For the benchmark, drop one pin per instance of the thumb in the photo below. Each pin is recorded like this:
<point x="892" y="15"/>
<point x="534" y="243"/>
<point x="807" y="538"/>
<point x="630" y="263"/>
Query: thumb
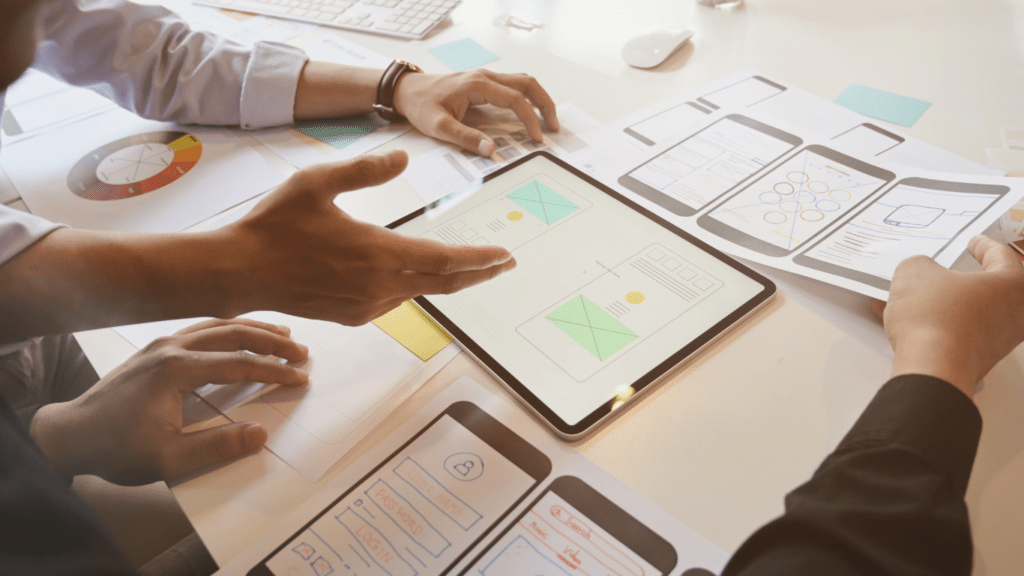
<point x="451" y="130"/>
<point x="194" y="450"/>
<point x="994" y="256"/>
<point x="326" y="181"/>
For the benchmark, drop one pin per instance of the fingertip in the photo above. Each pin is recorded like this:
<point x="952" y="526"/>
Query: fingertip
<point x="300" y="376"/>
<point x="283" y="330"/>
<point x="485" y="147"/>
<point x="254" y="437"/>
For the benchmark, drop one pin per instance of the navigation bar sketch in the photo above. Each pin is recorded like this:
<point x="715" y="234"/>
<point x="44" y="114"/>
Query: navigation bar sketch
<point x="514" y="217"/>
<point x="608" y="316"/>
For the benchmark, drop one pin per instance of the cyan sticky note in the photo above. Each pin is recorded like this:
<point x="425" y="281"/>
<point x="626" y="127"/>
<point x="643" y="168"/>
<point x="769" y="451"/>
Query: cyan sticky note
<point x="883" y="105"/>
<point x="463" y="54"/>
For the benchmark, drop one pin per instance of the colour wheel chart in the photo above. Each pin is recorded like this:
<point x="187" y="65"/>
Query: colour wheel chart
<point x="134" y="165"/>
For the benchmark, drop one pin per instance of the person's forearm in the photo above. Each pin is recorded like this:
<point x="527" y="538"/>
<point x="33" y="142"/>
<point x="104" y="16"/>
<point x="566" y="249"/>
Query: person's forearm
<point x="335" y="91"/>
<point x="888" y="501"/>
<point x="78" y="280"/>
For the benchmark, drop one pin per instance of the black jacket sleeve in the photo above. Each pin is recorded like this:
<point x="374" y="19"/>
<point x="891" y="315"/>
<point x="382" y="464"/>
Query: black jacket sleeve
<point x="888" y="501"/>
<point x="45" y="528"/>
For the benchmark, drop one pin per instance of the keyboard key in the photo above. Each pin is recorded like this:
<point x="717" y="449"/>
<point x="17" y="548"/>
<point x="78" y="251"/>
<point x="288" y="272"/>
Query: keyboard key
<point x="423" y="27"/>
<point x="406" y="29"/>
<point x="244" y="4"/>
<point x="389" y="26"/>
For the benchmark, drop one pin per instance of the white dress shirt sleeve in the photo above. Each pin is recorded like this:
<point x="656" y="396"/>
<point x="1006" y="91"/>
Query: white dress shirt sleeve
<point x="147" y="60"/>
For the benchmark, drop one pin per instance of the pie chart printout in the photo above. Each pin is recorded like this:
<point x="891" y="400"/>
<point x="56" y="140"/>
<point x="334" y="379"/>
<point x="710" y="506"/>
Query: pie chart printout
<point x="135" y="165"/>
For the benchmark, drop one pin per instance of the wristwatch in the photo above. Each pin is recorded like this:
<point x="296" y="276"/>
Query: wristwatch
<point x="385" y="104"/>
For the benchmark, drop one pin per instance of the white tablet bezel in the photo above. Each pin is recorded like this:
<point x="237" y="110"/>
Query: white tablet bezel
<point x="645" y="382"/>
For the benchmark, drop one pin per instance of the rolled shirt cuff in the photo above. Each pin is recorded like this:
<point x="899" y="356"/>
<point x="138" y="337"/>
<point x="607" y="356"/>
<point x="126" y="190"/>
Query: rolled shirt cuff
<point x="271" y="80"/>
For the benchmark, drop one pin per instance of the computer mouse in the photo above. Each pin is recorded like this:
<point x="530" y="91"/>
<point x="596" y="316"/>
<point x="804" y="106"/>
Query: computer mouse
<point x="649" y="50"/>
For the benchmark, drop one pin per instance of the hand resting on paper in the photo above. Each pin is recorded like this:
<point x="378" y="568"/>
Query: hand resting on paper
<point x="127" y="428"/>
<point x="295" y="253"/>
<point x="955" y="325"/>
<point x="434" y="103"/>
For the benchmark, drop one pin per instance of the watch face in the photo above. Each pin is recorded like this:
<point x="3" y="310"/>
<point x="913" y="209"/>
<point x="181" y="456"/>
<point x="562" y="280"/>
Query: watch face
<point x="135" y="165"/>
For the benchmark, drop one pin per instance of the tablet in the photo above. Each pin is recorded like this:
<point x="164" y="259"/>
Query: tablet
<point x="607" y="297"/>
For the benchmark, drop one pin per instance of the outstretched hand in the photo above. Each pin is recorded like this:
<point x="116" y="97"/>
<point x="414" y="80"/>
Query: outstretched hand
<point x="300" y="254"/>
<point x="128" y="427"/>
<point x="955" y="325"/>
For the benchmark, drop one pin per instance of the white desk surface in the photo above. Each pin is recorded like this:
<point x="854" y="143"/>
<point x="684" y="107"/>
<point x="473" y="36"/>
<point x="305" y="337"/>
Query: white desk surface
<point x="720" y="446"/>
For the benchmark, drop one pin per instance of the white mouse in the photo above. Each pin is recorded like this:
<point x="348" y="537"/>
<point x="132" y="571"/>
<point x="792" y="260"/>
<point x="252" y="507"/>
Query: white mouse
<point x="649" y="50"/>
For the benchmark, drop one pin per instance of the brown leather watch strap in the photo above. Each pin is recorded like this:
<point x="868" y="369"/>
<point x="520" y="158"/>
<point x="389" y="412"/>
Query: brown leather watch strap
<point x="385" y="104"/>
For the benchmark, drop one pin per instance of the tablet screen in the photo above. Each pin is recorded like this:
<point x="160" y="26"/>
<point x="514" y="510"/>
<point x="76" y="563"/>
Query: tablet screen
<point x="605" y="297"/>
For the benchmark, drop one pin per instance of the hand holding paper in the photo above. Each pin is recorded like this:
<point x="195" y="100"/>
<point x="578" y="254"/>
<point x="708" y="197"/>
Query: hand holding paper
<point x="955" y="325"/>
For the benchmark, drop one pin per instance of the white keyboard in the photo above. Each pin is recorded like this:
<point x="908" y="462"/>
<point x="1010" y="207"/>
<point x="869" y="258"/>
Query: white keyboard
<point x="410" y="19"/>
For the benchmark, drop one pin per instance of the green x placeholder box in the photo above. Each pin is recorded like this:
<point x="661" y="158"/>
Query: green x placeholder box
<point x="543" y="202"/>
<point x="591" y="327"/>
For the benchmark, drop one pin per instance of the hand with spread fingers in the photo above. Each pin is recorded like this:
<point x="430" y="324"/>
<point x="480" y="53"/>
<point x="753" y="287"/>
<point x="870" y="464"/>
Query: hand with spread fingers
<point x="955" y="325"/>
<point x="436" y="104"/>
<point x="127" y="428"/>
<point x="300" y="254"/>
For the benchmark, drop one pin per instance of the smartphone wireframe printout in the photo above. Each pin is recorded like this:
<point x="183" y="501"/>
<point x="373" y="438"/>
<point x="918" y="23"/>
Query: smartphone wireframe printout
<point x="916" y="216"/>
<point x="606" y="297"/>
<point x="866" y="140"/>
<point x="747" y="92"/>
<point x="572" y="528"/>
<point x="703" y="167"/>
<point x="661" y="126"/>
<point x="421" y="510"/>
<point x="795" y="201"/>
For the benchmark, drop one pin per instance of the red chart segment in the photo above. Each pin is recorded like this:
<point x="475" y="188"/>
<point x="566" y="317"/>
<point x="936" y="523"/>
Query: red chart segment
<point x="134" y="166"/>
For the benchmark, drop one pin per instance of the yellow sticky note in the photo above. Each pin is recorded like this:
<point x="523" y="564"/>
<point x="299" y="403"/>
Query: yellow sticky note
<point x="414" y="329"/>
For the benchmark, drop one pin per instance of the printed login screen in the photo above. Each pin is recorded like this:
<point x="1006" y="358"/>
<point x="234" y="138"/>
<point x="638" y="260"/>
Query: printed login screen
<point x="415" y="515"/>
<point x="601" y="294"/>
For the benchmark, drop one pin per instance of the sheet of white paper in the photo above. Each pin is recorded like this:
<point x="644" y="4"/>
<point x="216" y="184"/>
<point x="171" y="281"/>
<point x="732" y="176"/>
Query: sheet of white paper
<point x="731" y="178"/>
<point x="241" y="27"/>
<point x="1008" y="160"/>
<point x="331" y="140"/>
<point x="116" y="171"/>
<point x="38" y="102"/>
<point x="790" y="105"/>
<point x="1013" y="138"/>
<point x="355" y="376"/>
<point x="449" y="488"/>
<point x="447" y="169"/>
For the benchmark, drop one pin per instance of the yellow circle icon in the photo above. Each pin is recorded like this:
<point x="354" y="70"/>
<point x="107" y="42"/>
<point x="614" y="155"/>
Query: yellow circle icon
<point x="635" y="298"/>
<point x="515" y="216"/>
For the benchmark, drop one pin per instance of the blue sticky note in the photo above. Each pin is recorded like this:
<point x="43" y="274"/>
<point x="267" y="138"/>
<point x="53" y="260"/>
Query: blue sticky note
<point x="463" y="54"/>
<point x="883" y="105"/>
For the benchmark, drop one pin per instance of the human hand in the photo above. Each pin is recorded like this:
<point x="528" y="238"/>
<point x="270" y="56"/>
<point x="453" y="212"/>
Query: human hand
<point x="955" y="325"/>
<point x="437" y="103"/>
<point x="297" y="253"/>
<point x="127" y="427"/>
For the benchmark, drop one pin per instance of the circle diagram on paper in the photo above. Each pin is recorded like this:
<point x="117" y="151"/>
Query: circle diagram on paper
<point x="134" y="166"/>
